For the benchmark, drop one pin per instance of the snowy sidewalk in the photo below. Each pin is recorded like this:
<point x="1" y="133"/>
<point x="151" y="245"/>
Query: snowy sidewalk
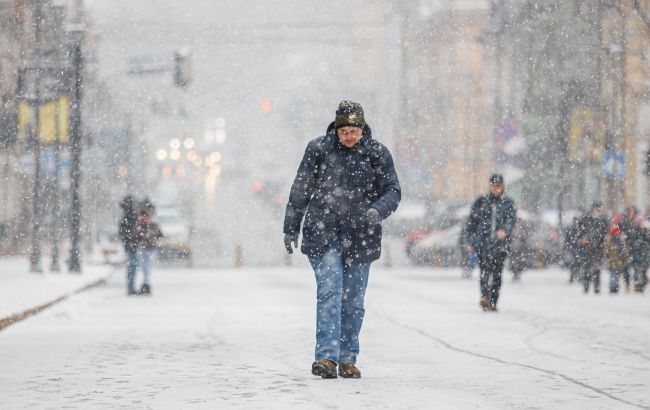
<point x="243" y="338"/>
<point x="22" y="292"/>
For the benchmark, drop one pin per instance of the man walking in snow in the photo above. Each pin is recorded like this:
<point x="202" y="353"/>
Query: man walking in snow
<point x="592" y="230"/>
<point x="489" y="230"/>
<point x="345" y="186"/>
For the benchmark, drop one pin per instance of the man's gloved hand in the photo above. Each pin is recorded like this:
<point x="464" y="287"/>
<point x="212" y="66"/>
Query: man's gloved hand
<point x="288" y="239"/>
<point x="372" y="216"/>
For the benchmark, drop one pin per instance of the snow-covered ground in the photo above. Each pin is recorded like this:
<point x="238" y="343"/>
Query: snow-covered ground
<point x="244" y="339"/>
<point x="21" y="290"/>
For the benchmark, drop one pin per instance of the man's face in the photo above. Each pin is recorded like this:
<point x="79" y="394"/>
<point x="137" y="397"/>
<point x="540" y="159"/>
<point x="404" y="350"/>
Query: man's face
<point x="497" y="189"/>
<point x="349" y="136"/>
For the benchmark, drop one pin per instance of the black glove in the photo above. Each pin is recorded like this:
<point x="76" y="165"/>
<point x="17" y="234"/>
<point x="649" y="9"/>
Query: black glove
<point x="372" y="216"/>
<point x="288" y="238"/>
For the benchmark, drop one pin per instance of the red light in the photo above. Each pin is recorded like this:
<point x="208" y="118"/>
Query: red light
<point x="257" y="186"/>
<point x="265" y="106"/>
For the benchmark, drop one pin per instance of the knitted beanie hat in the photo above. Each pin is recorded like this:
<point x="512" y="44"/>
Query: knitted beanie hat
<point x="349" y="114"/>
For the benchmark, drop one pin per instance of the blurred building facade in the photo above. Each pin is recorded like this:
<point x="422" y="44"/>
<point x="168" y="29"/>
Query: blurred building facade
<point x="572" y="78"/>
<point x="36" y="73"/>
<point x="552" y="94"/>
<point x="446" y="152"/>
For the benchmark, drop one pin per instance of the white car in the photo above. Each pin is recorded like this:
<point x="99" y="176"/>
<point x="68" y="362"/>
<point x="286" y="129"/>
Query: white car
<point x="176" y="229"/>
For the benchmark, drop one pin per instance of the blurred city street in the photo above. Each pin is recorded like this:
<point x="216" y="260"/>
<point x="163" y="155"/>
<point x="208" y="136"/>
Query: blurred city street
<point x="161" y="159"/>
<point x="244" y="338"/>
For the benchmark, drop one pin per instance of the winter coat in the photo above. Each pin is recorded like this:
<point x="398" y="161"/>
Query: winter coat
<point x="147" y="233"/>
<point x="592" y="228"/>
<point x="333" y="189"/>
<point x="127" y="230"/>
<point x="488" y="215"/>
<point x="638" y="242"/>
<point x="571" y="240"/>
<point x="519" y="248"/>
<point x="616" y="253"/>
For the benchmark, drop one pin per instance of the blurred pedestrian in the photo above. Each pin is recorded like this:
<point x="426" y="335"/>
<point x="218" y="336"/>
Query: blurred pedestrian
<point x="346" y="185"/>
<point x="592" y="230"/>
<point x="127" y="232"/>
<point x="468" y="260"/>
<point x="572" y="250"/>
<point x="490" y="225"/>
<point x="616" y="256"/>
<point x="519" y="250"/>
<point x="637" y="238"/>
<point x="148" y="234"/>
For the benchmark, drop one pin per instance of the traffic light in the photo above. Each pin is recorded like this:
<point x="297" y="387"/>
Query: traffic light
<point x="182" y="67"/>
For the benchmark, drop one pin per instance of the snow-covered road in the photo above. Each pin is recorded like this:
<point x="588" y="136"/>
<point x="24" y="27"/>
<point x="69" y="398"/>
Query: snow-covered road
<point x="244" y="339"/>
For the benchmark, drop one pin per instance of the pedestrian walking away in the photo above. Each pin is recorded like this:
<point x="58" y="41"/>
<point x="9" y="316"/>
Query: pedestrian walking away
<point x="519" y="250"/>
<point x="345" y="186"/>
<point x="572" y="251"/>
<point x="592" y="229"/>
<point x="489" y="227"/>
<point x="127" y="232"/>
<point x="637" y="238"/>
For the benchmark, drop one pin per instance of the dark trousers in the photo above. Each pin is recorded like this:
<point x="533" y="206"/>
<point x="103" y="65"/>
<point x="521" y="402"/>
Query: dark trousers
<point x="591" y="273"/>
<point x="491" y="270"/>
<point x="574" y="267"/>
<point x="640" y="275"/>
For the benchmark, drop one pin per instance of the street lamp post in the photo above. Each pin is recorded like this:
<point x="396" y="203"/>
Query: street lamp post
<point x="76" y="32"/>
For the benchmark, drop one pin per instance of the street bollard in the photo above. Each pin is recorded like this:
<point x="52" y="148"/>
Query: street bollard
<point x="238" y="256"/>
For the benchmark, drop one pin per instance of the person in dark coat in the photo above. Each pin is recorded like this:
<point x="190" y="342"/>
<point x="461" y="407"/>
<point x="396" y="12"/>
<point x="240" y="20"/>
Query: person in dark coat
<point x="345" y="186"/>
<point x="490" y="225"/>
<point x="127" y="233"/>
<point x="519" y="250"/>
<point x="638" y="244"/>
<point x="468" y="260"/>
<point x="592" y="230"/>
<point x="572" y="250"/>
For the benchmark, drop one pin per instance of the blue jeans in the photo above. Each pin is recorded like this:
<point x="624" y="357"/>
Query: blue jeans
<point x="339" y="310"/>
<point x="613" y="280"/>
<point x="146" y="256"/>
<point x="131" y="267"/>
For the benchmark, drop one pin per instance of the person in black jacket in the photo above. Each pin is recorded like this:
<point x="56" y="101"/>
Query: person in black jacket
<point x="489" y="228"/>
<point x="128" y="235"/>
<point x="592" y="230"/>
<point x="571" y="250"/>
<point x="638" y="243"/>
<point x="345" y="186"/>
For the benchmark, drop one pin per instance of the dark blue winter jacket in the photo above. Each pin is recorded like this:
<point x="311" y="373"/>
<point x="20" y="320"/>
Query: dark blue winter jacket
<point x="488" y="215"/>
<point x="335" y="186"/>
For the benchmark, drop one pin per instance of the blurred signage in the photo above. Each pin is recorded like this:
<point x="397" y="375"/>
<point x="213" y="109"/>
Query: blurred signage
<point x="586" y="135"/>
<point x="53" y="120"/>
<point x="506" y="130"/>
<point x="614" y="164"/>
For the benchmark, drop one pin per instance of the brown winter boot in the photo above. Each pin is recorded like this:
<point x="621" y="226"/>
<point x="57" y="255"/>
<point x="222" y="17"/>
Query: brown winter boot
<point x="485" y="304"/>
<point x="324" y="368"/>
<point x="349" y="371"/>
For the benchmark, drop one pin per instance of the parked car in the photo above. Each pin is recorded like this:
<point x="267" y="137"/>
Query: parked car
<point x="175" y="244"/>
<point x="438" y="247"/>
<point x="437" y="242"/>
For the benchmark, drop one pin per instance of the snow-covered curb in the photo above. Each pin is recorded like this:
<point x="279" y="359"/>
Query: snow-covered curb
<point x="24" y="294"/>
